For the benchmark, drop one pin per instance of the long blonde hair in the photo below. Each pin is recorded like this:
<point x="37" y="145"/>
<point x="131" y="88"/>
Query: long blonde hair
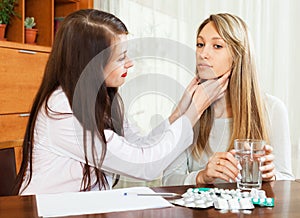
<point x="248" y="110"/>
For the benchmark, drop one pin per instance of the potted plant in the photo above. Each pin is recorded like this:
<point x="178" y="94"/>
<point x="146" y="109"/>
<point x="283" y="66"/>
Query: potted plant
<point x="30" y="33"/>
<point x="6" y="11"/>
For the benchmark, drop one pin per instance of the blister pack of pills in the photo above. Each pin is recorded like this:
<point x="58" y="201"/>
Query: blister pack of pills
<point x="196" y="198"/>
<point x="223" y="199"/>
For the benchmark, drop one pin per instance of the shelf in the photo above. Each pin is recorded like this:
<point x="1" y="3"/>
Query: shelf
<point x="14" y="31"/>
<point x="7" y="44"/>
<point x="44" y="13"/>
<point x="43" y="18"/>
<point x="66" y="1"/>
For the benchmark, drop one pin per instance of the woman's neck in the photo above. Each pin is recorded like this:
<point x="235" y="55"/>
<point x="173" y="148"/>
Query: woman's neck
<point x="222" y="107"/>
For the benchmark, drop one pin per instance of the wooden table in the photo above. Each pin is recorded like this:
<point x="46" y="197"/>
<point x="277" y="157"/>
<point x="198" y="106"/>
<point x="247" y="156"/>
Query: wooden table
<point x="286" y="194"/>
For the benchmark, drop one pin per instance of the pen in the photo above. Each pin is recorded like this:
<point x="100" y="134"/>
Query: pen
<point x="153" y="194"/>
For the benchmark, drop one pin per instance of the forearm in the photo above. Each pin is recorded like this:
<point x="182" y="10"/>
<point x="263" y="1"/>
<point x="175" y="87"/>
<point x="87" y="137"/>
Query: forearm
<point x="149" y="162"/>
<point x="174" y="116"/>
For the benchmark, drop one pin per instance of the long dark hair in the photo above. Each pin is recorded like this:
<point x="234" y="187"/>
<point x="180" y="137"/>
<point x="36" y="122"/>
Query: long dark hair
<point x="81" y="37"/>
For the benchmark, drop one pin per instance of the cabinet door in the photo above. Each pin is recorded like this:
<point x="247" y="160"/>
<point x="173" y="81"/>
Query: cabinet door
<point x="12" y="127"/>
<point x="21" y="72"/>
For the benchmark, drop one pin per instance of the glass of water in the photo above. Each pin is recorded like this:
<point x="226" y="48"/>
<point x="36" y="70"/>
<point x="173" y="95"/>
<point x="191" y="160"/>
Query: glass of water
<point x="248" y="153"/>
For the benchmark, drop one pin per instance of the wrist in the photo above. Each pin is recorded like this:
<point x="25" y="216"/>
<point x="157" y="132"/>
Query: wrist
<point x="193" y="115"/>
<point x="174" y="116"/>
<point x="199" y="178"/>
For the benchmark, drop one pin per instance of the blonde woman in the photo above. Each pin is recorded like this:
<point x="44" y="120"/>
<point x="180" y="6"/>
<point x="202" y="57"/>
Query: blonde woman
<point x="223" y="46"/>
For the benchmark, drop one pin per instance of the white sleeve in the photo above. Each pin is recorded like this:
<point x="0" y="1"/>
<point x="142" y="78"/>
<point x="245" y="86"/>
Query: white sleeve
<point x="133" y="135"/>
<point x="280" y="138"/>
<point x="122" y="157"/>
<point x="147" y="161"/>
<point x="177" y="172"/>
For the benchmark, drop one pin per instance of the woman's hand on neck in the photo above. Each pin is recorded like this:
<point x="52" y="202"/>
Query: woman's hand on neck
<point x="222" y="107"/>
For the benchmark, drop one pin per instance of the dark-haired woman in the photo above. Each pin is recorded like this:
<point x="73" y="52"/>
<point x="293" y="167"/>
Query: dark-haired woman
<point x="76" y="138"/>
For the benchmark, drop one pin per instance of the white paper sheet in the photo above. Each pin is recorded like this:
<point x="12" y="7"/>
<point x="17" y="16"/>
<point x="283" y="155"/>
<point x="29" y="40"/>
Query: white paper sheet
<point x="66" y="204"/>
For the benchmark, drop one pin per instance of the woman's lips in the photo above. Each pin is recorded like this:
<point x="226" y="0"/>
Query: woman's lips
<point x="204" y="65"/>
<point x="124" y="75"/>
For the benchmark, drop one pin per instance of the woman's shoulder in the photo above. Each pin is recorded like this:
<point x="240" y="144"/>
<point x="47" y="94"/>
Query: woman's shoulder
<point x="58" y="101"/>
<point x="274" y="103"/>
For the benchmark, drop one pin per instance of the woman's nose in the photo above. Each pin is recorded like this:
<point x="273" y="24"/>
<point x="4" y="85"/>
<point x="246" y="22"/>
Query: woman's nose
<point x="203" y="53"/>
<point x="129" y="63"/>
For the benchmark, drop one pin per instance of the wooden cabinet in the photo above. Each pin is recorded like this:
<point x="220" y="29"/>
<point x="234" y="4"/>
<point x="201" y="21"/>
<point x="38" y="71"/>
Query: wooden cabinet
<point x="21" y="71"/>
<point x="22" y="65"/>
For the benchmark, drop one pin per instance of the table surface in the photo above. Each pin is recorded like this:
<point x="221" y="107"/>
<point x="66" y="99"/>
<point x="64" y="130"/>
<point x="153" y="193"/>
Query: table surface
<point x="285" y="193"/>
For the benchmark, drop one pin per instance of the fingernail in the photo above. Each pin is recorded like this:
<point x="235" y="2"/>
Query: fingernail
<point x="262" y="159"/>
<point x="261" y="168"/>
<point x="239" y="166"/>
<point x="237" y="179"/>
<point x="263" y="175"/>
<point x="230" y="180"/>
<point x="239" y="176"/>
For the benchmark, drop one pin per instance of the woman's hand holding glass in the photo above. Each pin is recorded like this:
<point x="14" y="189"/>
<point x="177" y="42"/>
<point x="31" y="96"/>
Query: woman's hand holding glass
<point x="222" y="165"/>
<point x="268" y="168"/>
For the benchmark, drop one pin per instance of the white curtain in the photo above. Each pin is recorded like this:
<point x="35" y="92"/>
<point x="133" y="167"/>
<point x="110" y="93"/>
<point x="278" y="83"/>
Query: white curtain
<point x="275" y="32"/>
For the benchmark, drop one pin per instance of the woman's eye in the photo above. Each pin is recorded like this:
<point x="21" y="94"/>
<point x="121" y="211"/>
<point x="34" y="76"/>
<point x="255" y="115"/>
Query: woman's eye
<point x="218" y="46"/>
<point x="122" y="58"/>
<point x="200" y="45"/>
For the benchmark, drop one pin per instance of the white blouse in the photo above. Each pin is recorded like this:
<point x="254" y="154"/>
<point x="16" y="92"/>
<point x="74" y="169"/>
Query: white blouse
<point x="185" y="168"/>
<point x="58" y="154"/>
